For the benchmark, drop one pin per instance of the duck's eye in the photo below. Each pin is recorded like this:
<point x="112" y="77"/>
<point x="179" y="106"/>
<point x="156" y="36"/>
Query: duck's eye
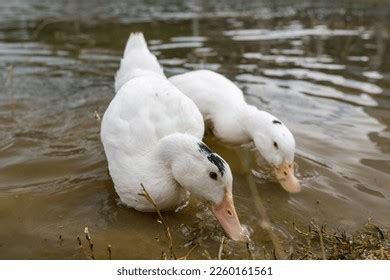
<point x="276" y="145"/>
<point x="213" y="175"/>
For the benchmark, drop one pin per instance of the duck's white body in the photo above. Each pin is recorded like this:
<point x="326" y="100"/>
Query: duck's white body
<point x="233" y="121"/>
<point x="146" y="109"/>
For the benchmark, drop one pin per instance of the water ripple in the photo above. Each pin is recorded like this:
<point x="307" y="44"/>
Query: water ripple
<point x="290" y="33"/>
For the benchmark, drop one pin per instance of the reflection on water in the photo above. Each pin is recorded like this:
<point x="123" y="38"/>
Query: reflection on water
<point x="322" y="68"/>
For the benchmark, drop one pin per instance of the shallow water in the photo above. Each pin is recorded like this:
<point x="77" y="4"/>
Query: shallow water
<point x="321" y="68"/>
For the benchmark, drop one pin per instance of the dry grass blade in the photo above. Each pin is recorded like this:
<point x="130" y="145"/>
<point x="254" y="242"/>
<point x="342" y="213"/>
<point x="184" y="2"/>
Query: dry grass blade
<point x="81" y="247"/>
<point x="189" y="252"/>
<point x="320" y="232"/>
<point x="90" y="243"/>
<point x="301" y="231"/>
<point x="161" y="218"/>
<point x="367" y="244"/>
<point x="163" y="256"/>
<point x="250" y="255"/>
<point x="220" y="251"/>
<point x="109" y="252"/>
<point x="97" y="117"/>
<point x="265" y="253"/>
<point x="206" y="254"/>
<point x="79" y="242"/>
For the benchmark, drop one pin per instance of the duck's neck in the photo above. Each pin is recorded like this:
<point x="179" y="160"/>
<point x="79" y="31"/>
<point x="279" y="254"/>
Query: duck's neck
<point x="229" y="124"/>
<point x="174" y="146"/>
<point x="161" y="172"/>
<point x="255" y="123"/>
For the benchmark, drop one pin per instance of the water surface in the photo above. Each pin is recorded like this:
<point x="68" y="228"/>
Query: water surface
<point x="322" y="68"/>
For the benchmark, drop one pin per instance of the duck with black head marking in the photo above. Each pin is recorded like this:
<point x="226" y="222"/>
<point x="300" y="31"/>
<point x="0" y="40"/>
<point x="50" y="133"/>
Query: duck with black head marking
<point x="151" y="133"/>
<point x="213" y="158"/>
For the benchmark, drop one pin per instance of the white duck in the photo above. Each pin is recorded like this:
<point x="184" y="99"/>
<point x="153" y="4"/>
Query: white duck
<point x="232" y="120"/>
<point x="151" y="134"/>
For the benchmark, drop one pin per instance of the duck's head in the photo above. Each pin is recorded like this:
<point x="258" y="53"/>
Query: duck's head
<point x="276" y="144"/>
<point x="206" y="175"/>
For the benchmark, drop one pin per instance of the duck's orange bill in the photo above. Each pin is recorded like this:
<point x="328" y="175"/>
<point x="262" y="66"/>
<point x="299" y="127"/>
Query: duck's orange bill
<point x="285" y="175"/>
<point x="227" y="216"/>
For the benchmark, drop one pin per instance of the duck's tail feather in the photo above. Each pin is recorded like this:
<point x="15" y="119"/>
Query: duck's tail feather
<point x="136" y="57"/>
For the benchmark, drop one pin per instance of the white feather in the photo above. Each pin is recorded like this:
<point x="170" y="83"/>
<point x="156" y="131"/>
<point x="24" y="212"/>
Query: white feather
<point x="136" y="59"/>
<point x="151" y="134"/>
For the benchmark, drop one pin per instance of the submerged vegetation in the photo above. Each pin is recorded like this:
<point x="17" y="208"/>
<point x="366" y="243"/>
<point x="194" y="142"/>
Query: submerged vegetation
<point x="319" y="243"/>
<point x="314" y="243"/>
